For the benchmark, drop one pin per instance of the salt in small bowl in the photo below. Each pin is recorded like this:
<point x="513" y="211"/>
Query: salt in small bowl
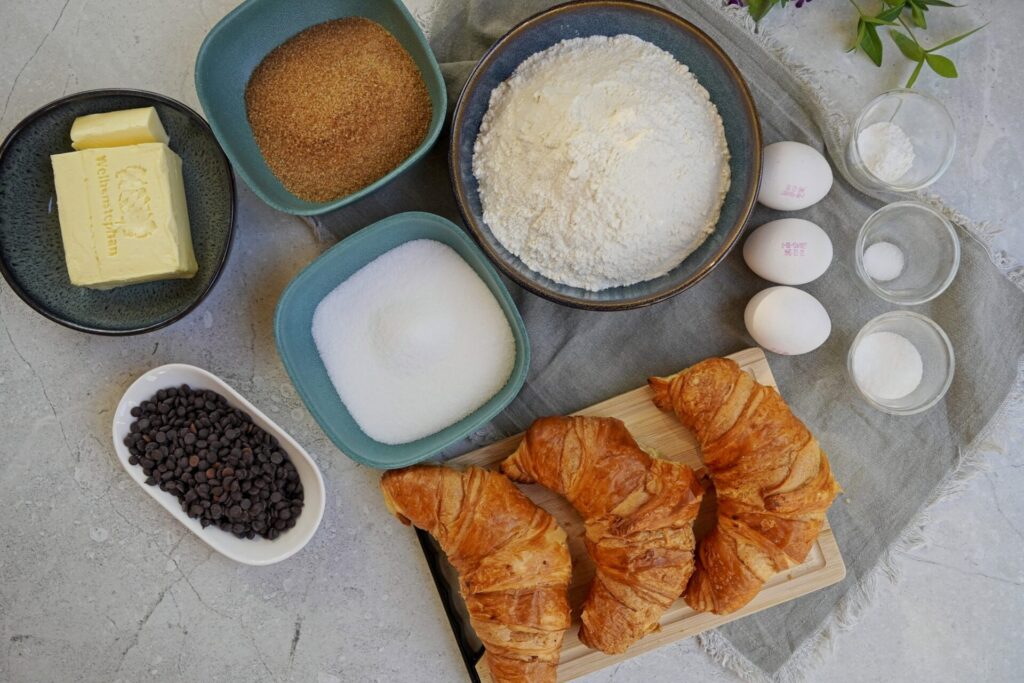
<point x="930" y="249"/>
<point x="937" y="358"/>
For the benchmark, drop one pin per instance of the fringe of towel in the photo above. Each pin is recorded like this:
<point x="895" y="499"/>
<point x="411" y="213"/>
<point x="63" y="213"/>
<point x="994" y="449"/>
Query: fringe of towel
<point x="971" y="461"/>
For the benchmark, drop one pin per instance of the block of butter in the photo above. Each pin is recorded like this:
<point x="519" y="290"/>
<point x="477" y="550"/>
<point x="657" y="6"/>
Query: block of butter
<point x="123" y="216"/>
<point x="118" y="128"/>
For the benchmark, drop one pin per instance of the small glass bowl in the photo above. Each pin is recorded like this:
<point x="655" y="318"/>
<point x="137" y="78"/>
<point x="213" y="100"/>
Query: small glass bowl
<point x="928" y="125"/>
<point x="936" y="358"/>
<point x="930" y="246"/>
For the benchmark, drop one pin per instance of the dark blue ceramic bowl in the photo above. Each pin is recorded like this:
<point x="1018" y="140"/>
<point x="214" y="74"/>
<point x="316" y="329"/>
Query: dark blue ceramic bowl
<point x="31" y="251"/>
<point x="686" y="43"/>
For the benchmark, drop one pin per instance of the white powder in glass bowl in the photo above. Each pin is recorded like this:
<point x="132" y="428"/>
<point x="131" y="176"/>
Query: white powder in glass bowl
<point x="887" y="366"/>
<point x="601" y="162"/>
<point x="887" y="150"/>
<point x="883" y="261"/>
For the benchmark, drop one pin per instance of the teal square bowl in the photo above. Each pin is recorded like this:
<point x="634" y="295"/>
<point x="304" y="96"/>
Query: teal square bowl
<point x="240" y="41"/>
<point x="293" y="328"/>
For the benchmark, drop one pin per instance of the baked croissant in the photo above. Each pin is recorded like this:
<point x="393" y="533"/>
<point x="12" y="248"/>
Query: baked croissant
<point x="771" y="477"/>
<point x="512" y="558"/>
<point x="638" y="513"/>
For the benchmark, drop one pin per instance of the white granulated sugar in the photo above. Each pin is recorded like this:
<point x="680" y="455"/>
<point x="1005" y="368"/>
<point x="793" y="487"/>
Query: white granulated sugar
<point x="601" y="162"/>
<point x="883" y="261"/>
<point x="887" y="150"/>
<point x="413" y="342"/>
<point x="887" y="366"/>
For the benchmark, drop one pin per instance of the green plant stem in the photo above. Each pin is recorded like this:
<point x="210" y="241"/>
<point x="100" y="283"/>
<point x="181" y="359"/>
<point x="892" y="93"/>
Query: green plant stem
<point x="892" y="13"/>
<point x="917" y="69"/>
<point x="903" y="22"/>
<point x="913" y="76"/>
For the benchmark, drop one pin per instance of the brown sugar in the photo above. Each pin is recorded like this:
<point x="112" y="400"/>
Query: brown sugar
<point x="336" y="107"/>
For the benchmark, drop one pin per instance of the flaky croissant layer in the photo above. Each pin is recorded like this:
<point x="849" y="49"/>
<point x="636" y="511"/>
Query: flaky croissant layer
<point x="638" y="513"/>
<point x="772" y="480"/>
<point x="512" y="558"/>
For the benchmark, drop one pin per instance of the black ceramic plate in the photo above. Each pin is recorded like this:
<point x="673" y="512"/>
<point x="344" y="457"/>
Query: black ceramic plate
<point x="31" y="251"/>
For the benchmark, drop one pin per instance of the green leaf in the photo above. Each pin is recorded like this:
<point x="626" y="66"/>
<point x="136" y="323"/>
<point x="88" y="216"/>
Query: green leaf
<point x="872" y="44"/>
<point x="907" y="45"/>
<point x="878" y="21"/>
<point x="890" y="15"/>
<point x="913" y="76"/>
<point x="759" y="8"/>
<point x="939" y="3"/>
<point x="861" y="30"/>
<point x="957" y="39"/>
<point x="943" y="66"/>
<point x="896" y="3"/>
<point x="917" y="16"/>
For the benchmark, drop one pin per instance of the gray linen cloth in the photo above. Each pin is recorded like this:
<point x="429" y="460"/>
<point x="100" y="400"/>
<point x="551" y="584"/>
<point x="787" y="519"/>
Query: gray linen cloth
<point x="890" y="467"/>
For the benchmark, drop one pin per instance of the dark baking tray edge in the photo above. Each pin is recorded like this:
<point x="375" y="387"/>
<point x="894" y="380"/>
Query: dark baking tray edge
<point x="470" y="656"/>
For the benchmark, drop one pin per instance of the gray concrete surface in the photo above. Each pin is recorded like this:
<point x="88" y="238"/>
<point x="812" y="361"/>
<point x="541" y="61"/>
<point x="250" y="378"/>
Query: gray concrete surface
<point x="99" y="584"/>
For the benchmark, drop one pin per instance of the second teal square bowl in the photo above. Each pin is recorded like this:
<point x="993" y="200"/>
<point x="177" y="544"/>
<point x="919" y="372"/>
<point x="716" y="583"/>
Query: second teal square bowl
<point x="240" y="41"/>
<point x="293" y="325"/>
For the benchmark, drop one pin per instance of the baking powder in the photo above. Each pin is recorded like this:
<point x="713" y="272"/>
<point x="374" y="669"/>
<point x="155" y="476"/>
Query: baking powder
<point x="887" y="151"/>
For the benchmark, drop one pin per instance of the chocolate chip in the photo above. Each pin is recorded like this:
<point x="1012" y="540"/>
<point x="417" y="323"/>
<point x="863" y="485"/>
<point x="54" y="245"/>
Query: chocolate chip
<point x="220" y="465"/>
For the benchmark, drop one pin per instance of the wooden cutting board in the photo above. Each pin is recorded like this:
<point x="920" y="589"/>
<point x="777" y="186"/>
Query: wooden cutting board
<point x="662" y="433"/>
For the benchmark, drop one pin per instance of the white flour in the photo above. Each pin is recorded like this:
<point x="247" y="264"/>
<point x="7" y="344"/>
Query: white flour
<point x="887" y="151"/>
<point x="601" y="162"/>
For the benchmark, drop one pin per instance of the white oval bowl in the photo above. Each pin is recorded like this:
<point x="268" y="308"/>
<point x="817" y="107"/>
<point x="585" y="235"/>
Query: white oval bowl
<point x="256" y="551"/>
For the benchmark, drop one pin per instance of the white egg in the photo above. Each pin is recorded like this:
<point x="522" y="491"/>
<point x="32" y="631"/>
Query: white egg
<point x="789" y="251"/>
<point x="787" y="321"/>
<point x="793" y="176"/>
